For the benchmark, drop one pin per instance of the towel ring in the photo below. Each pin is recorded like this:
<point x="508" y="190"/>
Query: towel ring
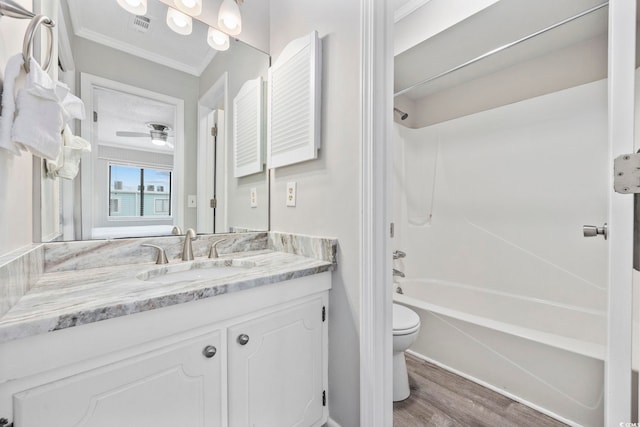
<point x="27" y="45"/>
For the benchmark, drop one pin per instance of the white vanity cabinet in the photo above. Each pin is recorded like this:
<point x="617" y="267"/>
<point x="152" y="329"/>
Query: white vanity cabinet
<point x="175" y="385"/>
<point x="252" y="358"/>
<point x="276" y="371"/>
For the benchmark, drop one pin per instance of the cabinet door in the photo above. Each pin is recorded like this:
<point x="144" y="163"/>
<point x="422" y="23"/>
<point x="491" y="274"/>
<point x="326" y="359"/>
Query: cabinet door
<point x="173" y="385"/>
<point x="277" y="378"/>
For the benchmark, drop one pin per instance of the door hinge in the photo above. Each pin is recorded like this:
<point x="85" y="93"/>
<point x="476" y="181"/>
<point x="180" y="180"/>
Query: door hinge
<point x="324" y="313"/>
<point x="626" y="174"/>
<point x="392" y="230"/>
<point x="95" y="120"/>
<point x="214" y="131"/>
<point x="213" y="203"/>
<point x="324" y="398"/>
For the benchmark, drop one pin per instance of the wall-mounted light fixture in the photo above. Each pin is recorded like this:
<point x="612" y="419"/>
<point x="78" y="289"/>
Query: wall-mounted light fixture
<point x="180" y="19"/>
<point x="137" y="7"/>
<point x="217" y="39"/>
<point x="179" y="22"/>
<point x="229" y="19"/>
<point x="192" y="7"/>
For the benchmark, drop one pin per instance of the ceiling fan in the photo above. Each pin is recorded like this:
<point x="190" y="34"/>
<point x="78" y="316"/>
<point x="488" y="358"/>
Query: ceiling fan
<point x="158" y="132"/>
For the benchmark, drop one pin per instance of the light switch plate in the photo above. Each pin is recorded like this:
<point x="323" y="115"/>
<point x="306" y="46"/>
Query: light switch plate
<point x="253" y="195"/>
<point x="291" y="193"/>
<point x="191" y="201"/>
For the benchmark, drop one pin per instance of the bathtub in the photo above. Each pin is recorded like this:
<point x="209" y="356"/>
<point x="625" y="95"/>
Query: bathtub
<point x="548" y="356"/>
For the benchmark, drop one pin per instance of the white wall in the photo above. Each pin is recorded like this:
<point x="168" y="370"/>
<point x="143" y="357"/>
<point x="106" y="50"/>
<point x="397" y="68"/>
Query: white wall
<point x="328" y="189"/>
<point x="432" y="18"/>
<point x="15" y="172"/>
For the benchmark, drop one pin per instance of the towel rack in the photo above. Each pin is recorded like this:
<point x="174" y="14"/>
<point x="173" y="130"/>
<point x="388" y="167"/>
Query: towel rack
<point x="14" y="10"/>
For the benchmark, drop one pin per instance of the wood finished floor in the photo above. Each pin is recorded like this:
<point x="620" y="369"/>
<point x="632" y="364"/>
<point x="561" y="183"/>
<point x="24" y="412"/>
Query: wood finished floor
<point x="440" y="398"/>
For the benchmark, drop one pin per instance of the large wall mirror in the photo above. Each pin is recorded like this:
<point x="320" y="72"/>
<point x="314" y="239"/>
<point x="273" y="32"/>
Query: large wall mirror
<point x="159" y="109"/>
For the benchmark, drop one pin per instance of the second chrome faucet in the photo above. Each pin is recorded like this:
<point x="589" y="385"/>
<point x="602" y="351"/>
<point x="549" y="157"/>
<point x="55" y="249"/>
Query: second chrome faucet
<point x="187" y="249"/>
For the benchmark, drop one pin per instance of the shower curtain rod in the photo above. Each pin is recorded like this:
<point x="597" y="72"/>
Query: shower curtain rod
<point x="500" y="49"/>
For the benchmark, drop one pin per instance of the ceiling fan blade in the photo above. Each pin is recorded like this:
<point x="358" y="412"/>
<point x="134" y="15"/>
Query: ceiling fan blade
<point x="133" y="134"/>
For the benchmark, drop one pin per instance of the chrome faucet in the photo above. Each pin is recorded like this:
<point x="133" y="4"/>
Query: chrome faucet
<point x="399" y="254"/>
<point x="397" y="272"/>
<point x="187" y="249"/>
<point x="213" y="253"/>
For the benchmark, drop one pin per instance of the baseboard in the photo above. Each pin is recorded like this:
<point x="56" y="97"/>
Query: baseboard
<point x="494" y="388"/>
<point x="331" y="423"/>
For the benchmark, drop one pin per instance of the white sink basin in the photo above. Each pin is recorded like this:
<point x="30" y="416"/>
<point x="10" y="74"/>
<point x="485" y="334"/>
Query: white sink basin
<point x="195" y="271"/>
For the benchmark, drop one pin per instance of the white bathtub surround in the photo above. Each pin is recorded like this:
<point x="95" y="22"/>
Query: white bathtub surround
<point x="85" y="282"/>
<point x="19" y="271"/>
<point x="509" y="291"/>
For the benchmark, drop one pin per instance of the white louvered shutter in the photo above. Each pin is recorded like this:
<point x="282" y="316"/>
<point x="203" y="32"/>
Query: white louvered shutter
<point x="293" y="124"/>
<point x="247" y="129"/>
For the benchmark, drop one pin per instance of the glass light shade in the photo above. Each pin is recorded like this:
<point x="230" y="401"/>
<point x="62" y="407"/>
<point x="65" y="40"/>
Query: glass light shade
<point x="179" y="22"/>
<point x="217" y="39"/>
<point x="229" y="19"/>
<point x="137" y="7"/>
<point x="159" y="142"/>
<point x="192" y="7"/>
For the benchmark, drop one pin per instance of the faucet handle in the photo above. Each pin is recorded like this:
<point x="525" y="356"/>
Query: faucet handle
<point x="399" y="254"/>
<point x="162" y="256"/>
<point x="213" y="253"/>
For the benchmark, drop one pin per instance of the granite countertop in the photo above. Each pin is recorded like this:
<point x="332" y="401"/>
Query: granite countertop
<point x="63" y="299"/>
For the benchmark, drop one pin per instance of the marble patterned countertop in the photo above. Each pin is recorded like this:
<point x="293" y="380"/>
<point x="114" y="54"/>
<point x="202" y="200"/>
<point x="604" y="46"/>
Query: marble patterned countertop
<point x="64" y="297"/>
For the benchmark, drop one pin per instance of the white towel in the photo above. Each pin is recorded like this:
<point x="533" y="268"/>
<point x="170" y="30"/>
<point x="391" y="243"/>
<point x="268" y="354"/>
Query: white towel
<point x="67" y="164"/>
<point x="42" y="107"/>
<point x="12" y="71"/>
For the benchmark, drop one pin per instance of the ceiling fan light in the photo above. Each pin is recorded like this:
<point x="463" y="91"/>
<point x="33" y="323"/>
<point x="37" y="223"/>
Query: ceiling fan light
<point x="137" y="7"/>
<point x="229" y="19"/>
<point x="179" y="22"/>
<point x="217" y="39"/>
<point x="192" y="7"/>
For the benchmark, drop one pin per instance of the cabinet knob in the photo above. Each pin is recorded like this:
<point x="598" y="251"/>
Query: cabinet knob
<point x="243" y="339"/>
<point x="209" y="351"/>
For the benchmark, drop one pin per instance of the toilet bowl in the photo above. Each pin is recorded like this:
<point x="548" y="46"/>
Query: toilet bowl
<point x="406" y="324"/>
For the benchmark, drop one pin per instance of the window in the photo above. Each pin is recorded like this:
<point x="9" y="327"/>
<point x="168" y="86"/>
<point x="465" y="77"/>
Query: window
<point x="139" y="191"/>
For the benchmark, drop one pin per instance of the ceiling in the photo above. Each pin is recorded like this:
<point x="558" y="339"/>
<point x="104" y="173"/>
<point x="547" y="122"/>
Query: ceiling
<point x="118" y="111"/>
<point x="104" y="22"/>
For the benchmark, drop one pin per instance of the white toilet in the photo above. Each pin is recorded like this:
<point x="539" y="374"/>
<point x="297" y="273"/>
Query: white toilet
<point x="406" y="324"/>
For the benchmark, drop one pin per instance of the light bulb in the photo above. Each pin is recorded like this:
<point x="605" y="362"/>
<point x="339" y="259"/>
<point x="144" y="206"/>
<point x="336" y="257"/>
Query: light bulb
<point x="137" y="7"/>
<point x="229" y="19"/>
<point x="179" y="22"/>
<point x="217" y="39"/>
<point x="192" y="7"/>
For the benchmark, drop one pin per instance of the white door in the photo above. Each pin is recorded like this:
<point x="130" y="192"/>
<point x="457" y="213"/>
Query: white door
<point x="175" y="385"/>
<point x="212" y="174"/>
<point x="276" y="369"/>
<point x="622" y="28"/>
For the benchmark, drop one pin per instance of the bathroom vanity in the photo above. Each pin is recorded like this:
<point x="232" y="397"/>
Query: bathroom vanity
<point x="86" y="348"/>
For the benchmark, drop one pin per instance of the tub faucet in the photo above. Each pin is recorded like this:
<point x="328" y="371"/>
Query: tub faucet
<point x="399" y="254"/>
<point x="397" y="272"/>
<point x="187" y="249"/>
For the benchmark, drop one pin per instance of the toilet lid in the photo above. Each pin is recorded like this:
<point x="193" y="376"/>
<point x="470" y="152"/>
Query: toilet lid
<point x="404" y="318"/>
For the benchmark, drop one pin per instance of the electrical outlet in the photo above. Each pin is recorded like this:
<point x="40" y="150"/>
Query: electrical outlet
<point x="291" y="193"/>
<point x="191" y="201"/>
<point x="253" y="195"/>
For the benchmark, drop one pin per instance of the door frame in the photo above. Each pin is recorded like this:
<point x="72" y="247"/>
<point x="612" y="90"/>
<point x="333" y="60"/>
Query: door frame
<point x="87" y="83"/>
<point x="375" y="273"/>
